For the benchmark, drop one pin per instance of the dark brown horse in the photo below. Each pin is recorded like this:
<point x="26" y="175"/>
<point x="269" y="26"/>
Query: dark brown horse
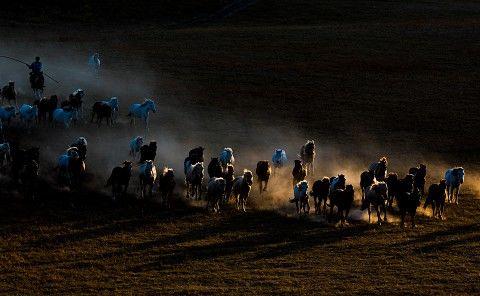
<point x="120" y="179"/>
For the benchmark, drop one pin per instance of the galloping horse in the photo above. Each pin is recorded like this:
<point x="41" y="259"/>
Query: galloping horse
<point x="148" y="175"/>
<point x="279" y="159"/>
<point x="105" y="109"/>
<point x="307" y="155"/>
<point x="28" y="114"/>
<point x="142" y="111"/>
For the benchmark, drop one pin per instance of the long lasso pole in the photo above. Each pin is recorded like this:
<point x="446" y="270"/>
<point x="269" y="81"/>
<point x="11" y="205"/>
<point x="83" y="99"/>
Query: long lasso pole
<point x="20" y="61"/>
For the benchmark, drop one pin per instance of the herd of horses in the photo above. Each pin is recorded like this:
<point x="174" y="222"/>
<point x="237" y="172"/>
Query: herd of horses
<point x="69" y="111"/>
<point x="380" y="190"/>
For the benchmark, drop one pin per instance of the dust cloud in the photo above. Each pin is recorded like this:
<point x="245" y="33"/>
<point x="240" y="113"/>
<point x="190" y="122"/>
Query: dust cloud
<point x="178" y="127"/>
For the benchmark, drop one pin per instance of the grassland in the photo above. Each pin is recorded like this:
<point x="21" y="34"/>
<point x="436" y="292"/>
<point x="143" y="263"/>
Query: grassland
<point x="363" y="78"/>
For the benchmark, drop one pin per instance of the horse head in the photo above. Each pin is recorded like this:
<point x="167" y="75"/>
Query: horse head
<point x="230" y="170"/>
<point x="298" y="163"/>
<point x="278" y="153"/>
<point x="114" y="103"/>
<point x="443" y="185"/>
<point x="303" y="186"/>
<point x="149" y="104"/>
<point x="73" y="152"/>
<point x="459" y="174"/>
<point x="127" y="164"/>
<point x="79" y="93"/>
<point x="248" y="177"/>
<point x="81" y="141"/>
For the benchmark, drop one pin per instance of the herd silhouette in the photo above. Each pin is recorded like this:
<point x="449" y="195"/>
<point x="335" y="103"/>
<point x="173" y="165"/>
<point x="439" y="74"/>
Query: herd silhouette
<point x="380" y="190"/>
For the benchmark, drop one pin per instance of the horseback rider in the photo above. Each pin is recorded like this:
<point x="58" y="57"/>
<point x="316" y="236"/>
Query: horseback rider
<point x="37" y="70"/>
<point x="36" y="66"/>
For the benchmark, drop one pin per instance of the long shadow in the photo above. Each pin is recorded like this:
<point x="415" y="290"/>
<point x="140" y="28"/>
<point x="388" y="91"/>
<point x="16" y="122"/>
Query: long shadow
<point x="440" y="246"/>
<point x="88" y="215"/>
<point x="441" y="234"/>
<point x="274" y="235"/>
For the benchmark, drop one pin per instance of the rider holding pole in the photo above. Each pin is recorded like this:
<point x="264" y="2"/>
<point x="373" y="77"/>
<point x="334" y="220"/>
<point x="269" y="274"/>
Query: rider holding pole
<point x="37" y="80"/>
<point x="36" y="66"/>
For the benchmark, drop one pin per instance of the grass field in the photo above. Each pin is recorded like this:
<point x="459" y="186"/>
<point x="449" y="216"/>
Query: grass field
<point x="362" y="78"/>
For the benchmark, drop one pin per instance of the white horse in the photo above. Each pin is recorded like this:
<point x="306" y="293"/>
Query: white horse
<point x="28" y="114"/>
<point x="300" y="197"/>
<point x="241" y="189"/>
<point x="63" y="117"/>
<point x="148" y="175"/>
<point x="94" y="63"/>
<point x="135" y="145"/>
<point x="226" y="157"/>
<point x="142" y="111"/>
<point x="7" y="113"/>
<point x="215" y="193"/>
<point x="454" y="178"/>
<point x="4" y="154"/>
<point x="279" y="159"/>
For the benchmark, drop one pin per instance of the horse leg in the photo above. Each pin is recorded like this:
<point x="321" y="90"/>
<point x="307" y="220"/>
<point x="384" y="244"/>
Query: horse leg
<point x="260" y="187"/>
<point x="369" y="213"/>
<point x="456" y="194"/>
<point x="402" y="217"/>
<point x="412" y="217"/>
<point x="384" y="209"/>
<point x="379" y="218"/>
<point x="266" y="184"/>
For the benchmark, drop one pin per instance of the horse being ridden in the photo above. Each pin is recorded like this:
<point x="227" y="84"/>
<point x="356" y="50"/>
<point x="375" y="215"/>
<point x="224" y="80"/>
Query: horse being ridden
<point x="37" y="81"/>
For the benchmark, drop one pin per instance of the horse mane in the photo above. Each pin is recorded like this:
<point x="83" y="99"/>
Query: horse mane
<point x="146" y="101"/>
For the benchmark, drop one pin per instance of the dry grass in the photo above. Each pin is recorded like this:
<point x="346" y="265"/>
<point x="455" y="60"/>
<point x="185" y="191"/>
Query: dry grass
<point x="364" y="79"/>
<point x="97" y="247"/>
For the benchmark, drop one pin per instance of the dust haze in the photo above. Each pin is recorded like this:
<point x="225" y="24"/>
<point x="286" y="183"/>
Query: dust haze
<point x="179" y="126"/>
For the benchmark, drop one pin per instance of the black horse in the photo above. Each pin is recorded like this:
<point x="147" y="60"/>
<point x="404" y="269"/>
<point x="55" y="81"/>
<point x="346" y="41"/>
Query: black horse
<point x="21" y="158"/>
<point x="120" y="179"/>
<point x="215" y="168"/>
<point x="46" y="107"/>
<point x="148" y="152"/>
<point x="102" y="110"/>
<point x="8" y="93"/>
<point x="408" y="199"/>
